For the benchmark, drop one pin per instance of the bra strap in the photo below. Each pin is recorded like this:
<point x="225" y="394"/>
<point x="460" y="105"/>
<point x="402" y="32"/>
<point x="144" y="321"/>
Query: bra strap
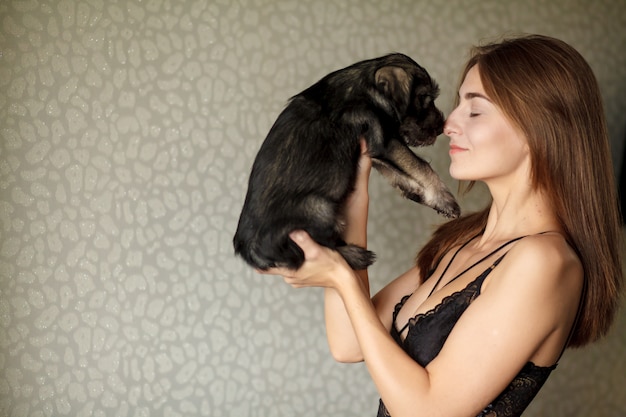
<point x="497" y="261"/>
<point x="472" y="265"/>
<point x="449" y="263"/>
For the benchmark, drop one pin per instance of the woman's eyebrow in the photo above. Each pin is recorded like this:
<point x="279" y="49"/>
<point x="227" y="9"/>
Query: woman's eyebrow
<point x="471" y="95"/>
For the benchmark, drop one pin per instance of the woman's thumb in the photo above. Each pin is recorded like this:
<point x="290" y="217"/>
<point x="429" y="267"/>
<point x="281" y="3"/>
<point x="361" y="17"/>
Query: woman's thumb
<point x="299" y="236"/>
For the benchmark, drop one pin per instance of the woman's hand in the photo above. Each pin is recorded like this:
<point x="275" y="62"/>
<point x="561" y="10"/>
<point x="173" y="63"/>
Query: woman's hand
<point x="322" y="267"/>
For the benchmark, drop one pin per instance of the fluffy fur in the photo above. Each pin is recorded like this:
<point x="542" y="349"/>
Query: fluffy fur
<point x="307" y="165"/>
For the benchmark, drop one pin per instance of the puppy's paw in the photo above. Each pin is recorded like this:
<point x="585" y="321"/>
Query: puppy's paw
<point x="446" y="205"/>
<point x="437" y="198"/>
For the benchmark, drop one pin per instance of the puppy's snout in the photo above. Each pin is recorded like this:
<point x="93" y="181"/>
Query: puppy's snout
<point x="440" y="121"/>
<point x="435" y="122"/>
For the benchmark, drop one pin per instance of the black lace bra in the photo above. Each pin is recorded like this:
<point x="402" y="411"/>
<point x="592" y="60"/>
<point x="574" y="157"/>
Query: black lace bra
<point x="428" y="332"/>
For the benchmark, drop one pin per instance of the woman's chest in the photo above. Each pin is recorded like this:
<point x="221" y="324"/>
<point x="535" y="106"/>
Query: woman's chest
<point x="427" y="299"/>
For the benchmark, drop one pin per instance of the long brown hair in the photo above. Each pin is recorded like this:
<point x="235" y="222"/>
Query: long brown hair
<point x="548" y="90"/>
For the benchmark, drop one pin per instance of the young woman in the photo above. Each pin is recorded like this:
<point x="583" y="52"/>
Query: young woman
<point x="477" y="326"/>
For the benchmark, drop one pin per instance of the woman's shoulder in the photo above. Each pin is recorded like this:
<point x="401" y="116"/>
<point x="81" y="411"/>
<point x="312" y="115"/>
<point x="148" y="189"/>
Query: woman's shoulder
<point x="544" y="260"/>
<point x="549" y="248"/>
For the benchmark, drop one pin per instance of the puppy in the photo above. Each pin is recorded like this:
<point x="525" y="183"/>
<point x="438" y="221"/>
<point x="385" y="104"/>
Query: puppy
<point x="307" y="165"/>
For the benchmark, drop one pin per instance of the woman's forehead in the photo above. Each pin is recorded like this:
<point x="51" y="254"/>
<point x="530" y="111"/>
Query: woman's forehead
<point x="472" y="86"/>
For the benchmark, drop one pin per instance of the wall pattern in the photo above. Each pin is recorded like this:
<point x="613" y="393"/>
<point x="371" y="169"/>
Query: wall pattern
<point x="127" y="130"/>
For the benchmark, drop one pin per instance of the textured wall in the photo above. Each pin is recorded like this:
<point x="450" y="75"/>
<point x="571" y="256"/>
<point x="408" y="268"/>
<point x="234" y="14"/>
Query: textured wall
<point x="127" y="132"/>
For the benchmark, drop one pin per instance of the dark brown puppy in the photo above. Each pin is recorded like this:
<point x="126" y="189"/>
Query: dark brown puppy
<point x="307" y="165"/>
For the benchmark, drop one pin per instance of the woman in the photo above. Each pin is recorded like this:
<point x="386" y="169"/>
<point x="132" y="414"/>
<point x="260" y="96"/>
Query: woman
<point x="476" y="327"/>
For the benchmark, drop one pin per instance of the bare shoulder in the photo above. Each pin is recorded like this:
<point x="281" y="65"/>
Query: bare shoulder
<point x="546" y="262"/>
<point x="550" y="252"/>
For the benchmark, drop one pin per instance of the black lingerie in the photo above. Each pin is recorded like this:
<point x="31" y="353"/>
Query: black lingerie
<point x="428" y="332"/>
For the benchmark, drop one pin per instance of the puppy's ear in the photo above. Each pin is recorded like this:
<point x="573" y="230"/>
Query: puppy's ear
<point x="395" y="84"/>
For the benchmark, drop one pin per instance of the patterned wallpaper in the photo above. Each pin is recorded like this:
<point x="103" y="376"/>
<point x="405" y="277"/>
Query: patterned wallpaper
<point x="127" y="131"/>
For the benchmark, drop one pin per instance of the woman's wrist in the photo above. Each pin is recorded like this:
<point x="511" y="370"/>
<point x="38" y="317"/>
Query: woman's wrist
<point x="349" y="281"/>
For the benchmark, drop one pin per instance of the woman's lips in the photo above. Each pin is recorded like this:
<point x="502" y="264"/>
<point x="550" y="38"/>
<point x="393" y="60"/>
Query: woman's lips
<point x="455" y="149"/>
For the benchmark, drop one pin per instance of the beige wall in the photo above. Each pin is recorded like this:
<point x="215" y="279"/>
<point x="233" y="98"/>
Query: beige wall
<point x="127" y="132"/>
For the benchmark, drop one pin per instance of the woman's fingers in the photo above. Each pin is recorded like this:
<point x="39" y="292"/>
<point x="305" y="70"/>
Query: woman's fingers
<point x="365" y="161"/>
<point x="304" y="241"/>
<point x="310" y="247"/>
<point x="363" y="146"/>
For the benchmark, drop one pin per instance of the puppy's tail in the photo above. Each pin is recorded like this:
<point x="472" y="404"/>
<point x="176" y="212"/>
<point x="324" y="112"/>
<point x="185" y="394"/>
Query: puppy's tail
<point x="357" y="257"/>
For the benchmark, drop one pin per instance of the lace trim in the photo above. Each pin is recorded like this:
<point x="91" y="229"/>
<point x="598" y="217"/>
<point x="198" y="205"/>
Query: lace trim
<point x="447" y="300"/>
<point x="382" y="410"/>
<point x="473" y="288"/>
<point x="520" y="392"/>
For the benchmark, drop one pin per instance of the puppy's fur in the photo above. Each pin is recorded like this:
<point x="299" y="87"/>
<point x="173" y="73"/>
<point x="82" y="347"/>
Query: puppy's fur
<point x="307" y="165"/>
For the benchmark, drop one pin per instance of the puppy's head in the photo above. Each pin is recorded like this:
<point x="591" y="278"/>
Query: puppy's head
<point x="413" y="93"/>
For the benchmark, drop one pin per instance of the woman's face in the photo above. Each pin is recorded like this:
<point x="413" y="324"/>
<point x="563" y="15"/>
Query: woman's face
<point x="484" y="144"/>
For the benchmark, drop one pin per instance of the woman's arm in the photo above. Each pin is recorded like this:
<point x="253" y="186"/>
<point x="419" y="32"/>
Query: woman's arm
<point x="342" y="341"/>
<point x="524" y="314"/>
<point x="528" y="305"/>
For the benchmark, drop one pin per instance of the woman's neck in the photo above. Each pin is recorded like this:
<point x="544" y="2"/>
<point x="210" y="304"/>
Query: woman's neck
<point x="519" y="213"/>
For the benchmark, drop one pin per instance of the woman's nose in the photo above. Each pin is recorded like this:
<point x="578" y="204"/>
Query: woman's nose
<point x="448" y="127"/>
<point x="451" y="126"/>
